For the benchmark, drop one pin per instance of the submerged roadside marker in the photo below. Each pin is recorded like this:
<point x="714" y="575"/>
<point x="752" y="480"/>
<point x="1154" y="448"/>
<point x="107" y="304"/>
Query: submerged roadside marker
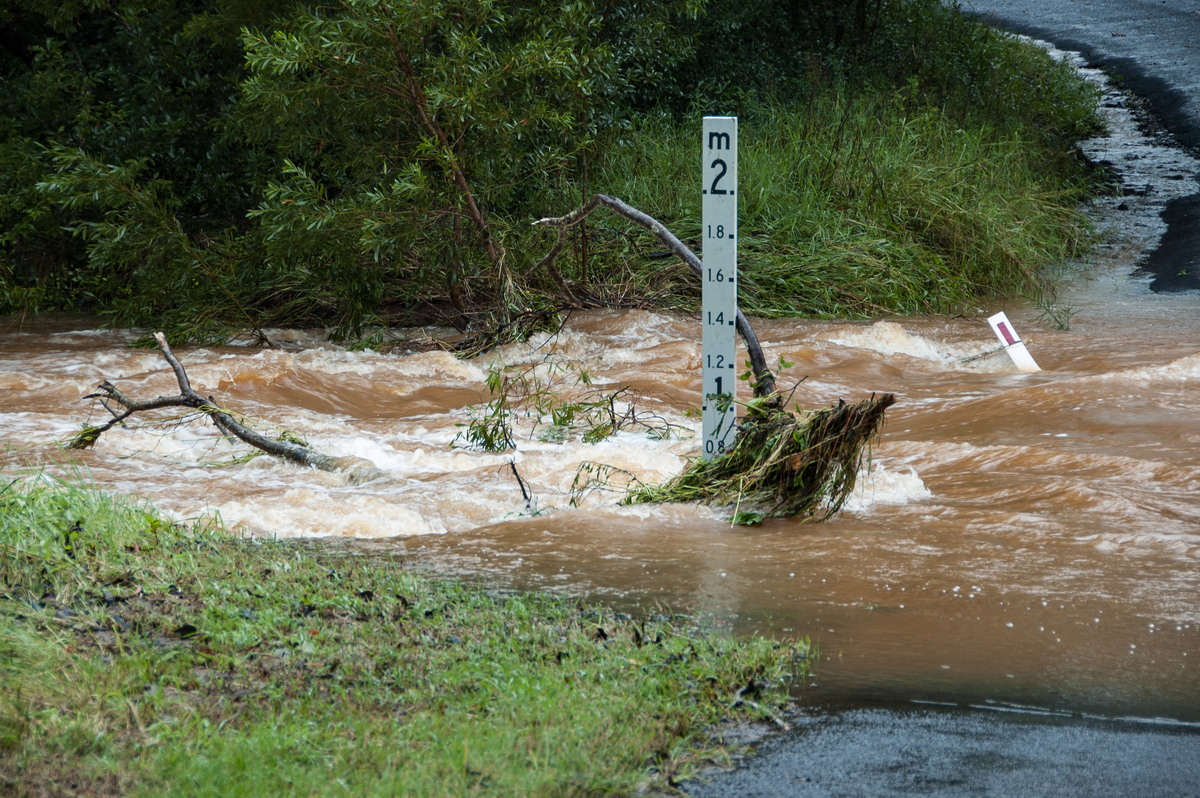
<point x="1012" y="343"/>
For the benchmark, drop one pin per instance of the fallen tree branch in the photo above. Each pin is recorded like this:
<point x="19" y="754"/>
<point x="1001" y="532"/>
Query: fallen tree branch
<point x="764" y="379"/>
<point x="356" y="469"/>
<point x="547" y="263"/>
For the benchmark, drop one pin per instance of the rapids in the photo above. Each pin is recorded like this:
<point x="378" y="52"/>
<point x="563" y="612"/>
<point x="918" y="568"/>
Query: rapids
<point x="1016" y="540"/>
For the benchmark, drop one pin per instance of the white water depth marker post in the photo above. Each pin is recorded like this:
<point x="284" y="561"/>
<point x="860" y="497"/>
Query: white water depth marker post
<point x="718" y="315"/>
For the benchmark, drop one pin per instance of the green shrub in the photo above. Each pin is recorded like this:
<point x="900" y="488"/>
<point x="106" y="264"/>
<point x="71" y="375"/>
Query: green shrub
<point x="211" y="168"/>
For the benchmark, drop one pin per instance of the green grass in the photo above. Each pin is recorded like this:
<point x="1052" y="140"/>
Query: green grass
<point x="143" y="657"/>
<point x="898" y="158"/>
<point x="874" y="195"/>
<point x="859" y="206"/>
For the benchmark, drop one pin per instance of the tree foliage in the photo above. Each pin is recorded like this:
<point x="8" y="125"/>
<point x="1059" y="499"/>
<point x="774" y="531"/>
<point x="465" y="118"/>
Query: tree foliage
<point x="231" y="166"/>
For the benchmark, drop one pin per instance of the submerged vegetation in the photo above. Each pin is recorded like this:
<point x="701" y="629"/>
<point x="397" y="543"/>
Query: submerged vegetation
<point x="554" y="401"/>
<point x="782" y="464"/>
<point x="140" y="656"/>
<point x="213" y="169"/>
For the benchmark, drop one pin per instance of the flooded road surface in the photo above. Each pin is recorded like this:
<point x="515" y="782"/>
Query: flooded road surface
<point x="1018" y="540"/>
<point x="1022" y="538"/>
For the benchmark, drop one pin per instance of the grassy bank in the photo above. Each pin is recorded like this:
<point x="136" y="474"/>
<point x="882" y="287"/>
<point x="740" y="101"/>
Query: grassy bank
<point x="856" y="206"/>
<point x="139" y="656"/>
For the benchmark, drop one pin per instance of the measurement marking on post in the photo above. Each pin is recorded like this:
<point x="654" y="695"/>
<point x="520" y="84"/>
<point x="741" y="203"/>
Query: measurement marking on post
<point x="719" y="299"/>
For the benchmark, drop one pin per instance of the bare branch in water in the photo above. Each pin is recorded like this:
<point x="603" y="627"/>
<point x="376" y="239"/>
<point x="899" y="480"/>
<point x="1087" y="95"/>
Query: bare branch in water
<point x="781" y="464"/>
<point x="356" y="468"/>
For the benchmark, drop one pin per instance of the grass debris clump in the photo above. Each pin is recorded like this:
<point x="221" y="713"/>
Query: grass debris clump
<point x="782" y="465"/>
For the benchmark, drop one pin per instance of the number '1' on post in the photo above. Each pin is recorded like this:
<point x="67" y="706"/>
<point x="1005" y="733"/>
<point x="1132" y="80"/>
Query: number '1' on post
<point x="718" y="316"/>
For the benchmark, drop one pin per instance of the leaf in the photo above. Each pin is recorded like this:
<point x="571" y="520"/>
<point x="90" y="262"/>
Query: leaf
<point x="185" y="631"/>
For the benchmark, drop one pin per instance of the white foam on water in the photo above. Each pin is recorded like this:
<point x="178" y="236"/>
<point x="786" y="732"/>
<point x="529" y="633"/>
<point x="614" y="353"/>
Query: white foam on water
<point x="36" y="428"/>
<point x="304" y="512"/>
<point x="648" y="328"/>
<point x="1184" y="369"/>
<point x="382" y="367"/>
<point x="70" y="376"/>
<point x="392" y="374"/>
<point x="119" y="365"/>
<point x="411" y="462"/>
<point x="889" y="338"/>
<point x="678" y="351"/>
<point x="564" y="344"/>
<point x="288" y="336"/>
<point x="190" y="444"/>
<point x="13" y="382"/>
<point x="554" y="466"/>
<point x="208" y="370"/>
<point x="640" y="338"/>
<point x="880" y="486"/>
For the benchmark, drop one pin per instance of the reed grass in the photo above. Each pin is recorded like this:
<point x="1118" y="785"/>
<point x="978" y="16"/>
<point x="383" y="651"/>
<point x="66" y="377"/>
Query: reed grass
<point x="853" y="206"/>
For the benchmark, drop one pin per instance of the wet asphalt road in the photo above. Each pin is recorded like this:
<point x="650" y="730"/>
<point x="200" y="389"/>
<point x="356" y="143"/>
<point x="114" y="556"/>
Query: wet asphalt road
<point x="960" y="752"/>
<point x="904" y="749"/>
<point x="1154" y="45"/>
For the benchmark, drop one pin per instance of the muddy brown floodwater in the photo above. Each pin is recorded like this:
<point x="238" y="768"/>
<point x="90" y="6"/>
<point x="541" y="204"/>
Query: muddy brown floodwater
<point x="1018" y="540"/>
<point x="1027" y="539"/>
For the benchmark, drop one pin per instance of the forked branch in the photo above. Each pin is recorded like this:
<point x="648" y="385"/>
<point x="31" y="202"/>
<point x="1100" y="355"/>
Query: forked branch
<point x="356" y="468"/>
<point x="781" y="464"/>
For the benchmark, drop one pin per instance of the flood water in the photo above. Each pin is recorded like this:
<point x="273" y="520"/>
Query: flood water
<point x="1019" y="539"/>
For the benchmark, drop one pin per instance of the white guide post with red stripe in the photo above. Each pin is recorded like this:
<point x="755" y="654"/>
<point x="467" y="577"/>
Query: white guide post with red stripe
<point x="1012" y="343"/>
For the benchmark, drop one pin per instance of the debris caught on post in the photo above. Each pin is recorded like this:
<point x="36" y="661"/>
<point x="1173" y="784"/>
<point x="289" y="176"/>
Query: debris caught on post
<point x="783" y="464"/>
